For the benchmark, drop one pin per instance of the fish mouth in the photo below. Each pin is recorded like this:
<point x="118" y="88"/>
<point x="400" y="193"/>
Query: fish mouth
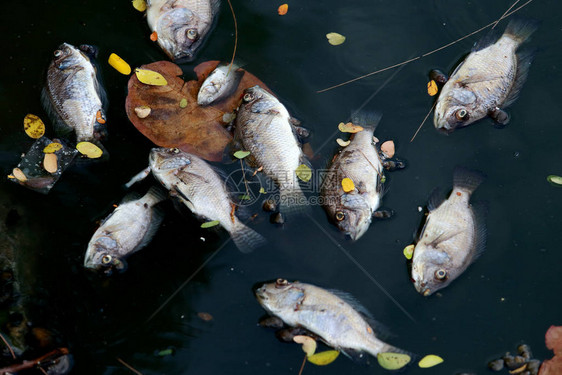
<point x="183" y="57"/>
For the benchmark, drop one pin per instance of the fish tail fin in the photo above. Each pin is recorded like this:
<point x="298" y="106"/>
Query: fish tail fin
<point x="245" y="238"/>
<point x="520" y="29"/>
<point x="292" y="200"/>
<point x="467" y="179"/>
<point x="155" y="195"/>
<point x="366" y="119"/>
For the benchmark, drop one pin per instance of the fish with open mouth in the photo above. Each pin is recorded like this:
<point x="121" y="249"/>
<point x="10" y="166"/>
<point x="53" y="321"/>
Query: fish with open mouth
<point x="129" y="228"/>
<point x="73" y="95"/>
<point x="181" y="25"/>
<point x="488" y="80"/>
<point x="197" y="185"/>
<point x="453" y="236"/>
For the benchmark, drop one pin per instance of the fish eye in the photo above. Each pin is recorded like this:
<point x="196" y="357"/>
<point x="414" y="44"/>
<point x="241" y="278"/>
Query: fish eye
<point x="192" y="34"/>
<point x="106" y="259"/>
<point x="248" y="97"/>
<point x="175" y="150"/>
<point x="281" y="283"/>
<point x="441" y="274"/>
<point x="461" y="114"/>
<point x="340" y="216"/>
<point x="57" y="53"/>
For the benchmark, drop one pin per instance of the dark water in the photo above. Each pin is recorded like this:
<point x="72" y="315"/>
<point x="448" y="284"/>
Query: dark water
<point x="511" y="294"/>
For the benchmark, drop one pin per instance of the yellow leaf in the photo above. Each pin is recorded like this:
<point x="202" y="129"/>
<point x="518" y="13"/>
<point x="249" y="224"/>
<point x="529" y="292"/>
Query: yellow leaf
<point x="52" y="147"/>
<point x="282" y="10"/>
<point x="304" y="172"/>
<point x="409" y="251"/>
<point x="149" y="77"/>
<point x="393" y="361"/>
<point x="349" y="128"/>
<point x="323" y="358"/>
<point x="139" y="5"/>
<point x="432" y="88"/>
<point x="50" y="163"/>
<point x="308" y="344"/>
<point x="430" y="361"/>
<point x="89" y="149"/>
<point x="347" y="185"/>
<point x="33" y="126"/>
<point x="343" y="143"/>
<point x="119" y="64"/>
<point x="19" y="175"/>
<point x="335" y="39"/>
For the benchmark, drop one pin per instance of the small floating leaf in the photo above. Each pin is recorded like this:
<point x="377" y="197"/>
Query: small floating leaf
<point x="33" y="126"/>
<point x="50" y="163"/>
<point x="432" y="88"/>
<point x="241" y="154"/>
<point x="227" y="118"/>
<point x="343" y="143"/>
<point x="149" y="77"/>
<point x="349" y="128"/>
<point x="205" y="316"/>
<point x="554" y="179"/>
<point x="165" y="352"/>
<point x="244" y="197"/>
<point x="210" y="224"/>
<point x="409" y="251"/>
<point x="142" y="111"/>
<point x="323" y="358"/>
<point x="262" y="191"/>
<point x="388" y="148"/>
<point x="430" y="361"/>
<point x="52" y="147"/>
<point x="303" y="172"/>
<point x="19" y="175"/>
<point x="308" y="344"/>
<point x="154" y="36"/>
<point x="119" y="64"/>
<point x="183" y="103"/>
<point x="139" y="5"/>
<point x="89" y="149"/>
<point x="335" y="39"/>
<point x="393" y="361"/>
<point x="347" y="185"/>
<point x="99" y="118"/>
<point x="282" y="10"/>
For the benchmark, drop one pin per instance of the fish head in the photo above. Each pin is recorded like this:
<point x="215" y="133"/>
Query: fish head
<point x="351" y="214"/>
<point x="257" y="100"/>
<point x="101" y="256"/>
<point x="431" y="270"/>
<point x="180" y="33"/>
<point x="456" y="108"/>
<point x="280" y="296"/>
<point x="167" y="159"/>
<point x="66" y="56"/>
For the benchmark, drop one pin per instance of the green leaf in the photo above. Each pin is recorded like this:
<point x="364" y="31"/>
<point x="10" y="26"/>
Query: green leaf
<point x="335" y="39"/>
<point x="244" y="197"/>
<point x="393" y="361"/>
<point x="262" y="191"/>
<point x="183" y="103"/>
<point x="430" y="361"/>
<point x="409" y="251"/>
<point x="210" y="224"/>
<point x="304" y="172"/>
<point x="555" y="180"/>
<point x="165" y="352"/>
<point x="241" y="154"/>
<point x="323" y="358"/>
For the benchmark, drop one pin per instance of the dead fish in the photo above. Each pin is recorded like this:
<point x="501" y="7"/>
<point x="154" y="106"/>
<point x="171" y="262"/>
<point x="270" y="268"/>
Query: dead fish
<point x="453" y="236"/>
<point x="488" y="80"/>
<point x="129" y="228"/>
<point x="220" y="84"/>
<point x="181" y="25"/>
<point x="333" y="316"/>
<point x="263" y="127"/>
<point x="197" y="185"/>
<point x="359" y="161"/>
<point x="73" y="95"/>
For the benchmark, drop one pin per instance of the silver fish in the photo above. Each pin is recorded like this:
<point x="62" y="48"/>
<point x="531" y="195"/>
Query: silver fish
<point x="181" y="25"/>
<point x="453" y="236"/>
<point x="220" y="84"/>
<point x="129" y="228"/>
<point x="334" y="316"/>
<point x="263" y="127"/>
<point x="488" y="80"/>
<point x="73" y="96"/>
<point x="203" y="191"/>
<point x="359" y="161"/>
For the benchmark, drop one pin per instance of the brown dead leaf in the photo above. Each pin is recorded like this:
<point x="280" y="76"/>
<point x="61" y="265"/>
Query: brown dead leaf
<point x="194" y="129"/>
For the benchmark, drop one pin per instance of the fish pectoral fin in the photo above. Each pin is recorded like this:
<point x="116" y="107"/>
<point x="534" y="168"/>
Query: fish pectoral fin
<point x="442" y="237"/>
<point x="499" y="115"/>
<point x="357" y="356"/>
<point x="476" y="78"/>
<point x="383" y="214"/>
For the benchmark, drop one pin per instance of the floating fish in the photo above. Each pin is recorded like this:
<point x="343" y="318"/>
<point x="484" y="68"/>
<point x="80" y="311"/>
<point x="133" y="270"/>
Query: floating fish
<point x="220" y="84"/>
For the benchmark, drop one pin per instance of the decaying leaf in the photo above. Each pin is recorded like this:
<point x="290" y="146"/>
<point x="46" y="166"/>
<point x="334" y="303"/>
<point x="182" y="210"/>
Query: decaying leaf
<point x="142" y="111"/>
<point x="553" y="340"/>
<point x="154" y="36"/>
<point x="210" y="224"/>
<point x="139" y="5"/>
<point x="33" y="126"/>
<point x="50" y="163"/>
<point x="183" y="103"/>
<point x="432" y="88"/>
<point x="343" y="143"/>
<point x="323" y="358"/>
<point x="303" y="172"/>
<point x="119" y="64"/>
<point x="335" y="39"/>
<point x="52" y="147"/>
<point x="150" y="77"/>
<point x="347" y="185"/>
<point x="554" y="179"/>
<point x="388" y="148"/>
<point x="430" y="360"/>
<point x="409" y="251"/>
<point x="205" y="316"/>
<point x="308" y="344"/>
<point x="282" y="10"/>
<point x="89" y="149"/>
<point x="241" y="154"/>
<point x="393" y="361"/>
<point x="19" y="175"/>
<point x="349" y="128"/>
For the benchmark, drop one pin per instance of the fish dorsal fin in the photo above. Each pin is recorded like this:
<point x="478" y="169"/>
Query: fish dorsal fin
<point x="132" y="196"/>
<point x="480" y="211"/>
<point x="487" y="40"/>
<point x="435" y="199"/>
<point x="524" y="61"/>
<point x="352" y="301"/>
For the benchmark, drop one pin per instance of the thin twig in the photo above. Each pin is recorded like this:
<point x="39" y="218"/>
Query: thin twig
<point x="423" y="122"/>
<point x="505" y="15"/>
<point x="244" y="177"/>
<point x="302" y="366"/>
<point x="8" y="346"/>
<point x="128" y="366"/>
<point x="235" y="36"/>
